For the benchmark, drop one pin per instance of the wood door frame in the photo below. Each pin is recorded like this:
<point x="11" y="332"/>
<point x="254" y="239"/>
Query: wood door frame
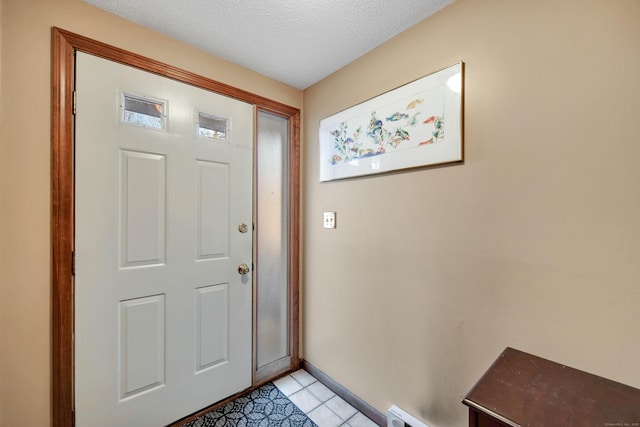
<point x="64" y="46"/>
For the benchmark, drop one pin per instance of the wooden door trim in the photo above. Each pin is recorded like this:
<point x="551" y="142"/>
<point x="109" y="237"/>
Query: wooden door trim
<point x="62" y="86"/>
<point x="64" y="46"/>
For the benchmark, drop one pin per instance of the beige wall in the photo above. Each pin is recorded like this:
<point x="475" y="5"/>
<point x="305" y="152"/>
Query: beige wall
<point x="533" y="243"/>
<point x="25" y="163"/>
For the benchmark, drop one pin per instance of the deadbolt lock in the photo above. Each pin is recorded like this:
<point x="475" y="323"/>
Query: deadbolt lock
<point x="243" y="228"/>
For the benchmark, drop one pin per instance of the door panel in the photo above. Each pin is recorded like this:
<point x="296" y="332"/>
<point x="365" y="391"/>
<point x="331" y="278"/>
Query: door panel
<point x="163" y="318"/>
<point x="142" y="201"/>
<point x="212" y="311"/>
<point x="213" y="219"/>
<point x="142" y="346"/>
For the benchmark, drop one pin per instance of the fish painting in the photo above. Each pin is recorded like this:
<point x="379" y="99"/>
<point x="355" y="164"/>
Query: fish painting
<point x="399" y="136"/>
<point x="438" y="124"/>
<point x="428" y="141"/>
<point x="414" y="120"/>
<point x="375" y="129"/>
<point x="413" y="104"/>
<point x="375" y="125"/>
<point x="397" y="116"/>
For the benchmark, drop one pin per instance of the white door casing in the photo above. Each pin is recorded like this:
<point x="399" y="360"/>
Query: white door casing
<point x="162" y="316"/>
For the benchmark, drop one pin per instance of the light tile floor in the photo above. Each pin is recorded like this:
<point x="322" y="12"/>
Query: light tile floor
<point x="323" y="406"/>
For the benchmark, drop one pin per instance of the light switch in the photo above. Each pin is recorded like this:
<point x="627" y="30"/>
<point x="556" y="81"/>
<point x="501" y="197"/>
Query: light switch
<point x="329" y="220"/>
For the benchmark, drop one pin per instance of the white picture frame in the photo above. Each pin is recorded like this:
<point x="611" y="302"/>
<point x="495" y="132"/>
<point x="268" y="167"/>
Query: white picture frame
<point x="416" y="125"/>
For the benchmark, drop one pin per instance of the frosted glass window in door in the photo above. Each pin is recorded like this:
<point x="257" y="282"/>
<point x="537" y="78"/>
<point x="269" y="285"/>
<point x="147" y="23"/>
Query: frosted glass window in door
<point x="271" y="238"/>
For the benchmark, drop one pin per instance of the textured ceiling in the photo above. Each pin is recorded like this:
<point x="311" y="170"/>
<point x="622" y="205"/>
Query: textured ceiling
<point x="297" y="42"/>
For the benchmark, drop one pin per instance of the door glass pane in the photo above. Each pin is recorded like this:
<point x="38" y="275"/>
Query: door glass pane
<point x="143" y="111"/>
<point x="212" y="127"/>
<point x="271" y="235"/>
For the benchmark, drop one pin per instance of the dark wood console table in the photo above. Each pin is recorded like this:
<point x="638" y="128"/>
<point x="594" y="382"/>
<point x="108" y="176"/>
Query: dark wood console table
<point x="520" y="389"/>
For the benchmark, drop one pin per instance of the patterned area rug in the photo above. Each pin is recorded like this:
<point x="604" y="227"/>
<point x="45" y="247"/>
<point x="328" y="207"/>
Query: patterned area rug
<point x="264" y="407"/>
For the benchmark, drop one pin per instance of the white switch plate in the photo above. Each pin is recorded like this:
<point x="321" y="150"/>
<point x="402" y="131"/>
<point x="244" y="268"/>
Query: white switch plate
<point x="329" y="220"/>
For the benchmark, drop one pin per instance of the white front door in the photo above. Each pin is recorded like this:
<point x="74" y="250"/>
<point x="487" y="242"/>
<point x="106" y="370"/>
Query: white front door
<point x="163" y="182"/>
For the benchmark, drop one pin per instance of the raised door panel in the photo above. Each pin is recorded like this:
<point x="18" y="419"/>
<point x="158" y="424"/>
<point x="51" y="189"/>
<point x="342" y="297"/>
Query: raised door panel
<point x="142" y="345"/>
<point x="212" y="326"/>
<point x="213" y="210"/>
<point x="142" y="202"/>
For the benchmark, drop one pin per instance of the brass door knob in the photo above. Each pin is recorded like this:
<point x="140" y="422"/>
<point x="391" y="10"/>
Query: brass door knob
<point x="243" y="269"/>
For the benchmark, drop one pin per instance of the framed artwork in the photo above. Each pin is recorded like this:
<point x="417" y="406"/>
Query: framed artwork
<point x="416" y="125"/>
